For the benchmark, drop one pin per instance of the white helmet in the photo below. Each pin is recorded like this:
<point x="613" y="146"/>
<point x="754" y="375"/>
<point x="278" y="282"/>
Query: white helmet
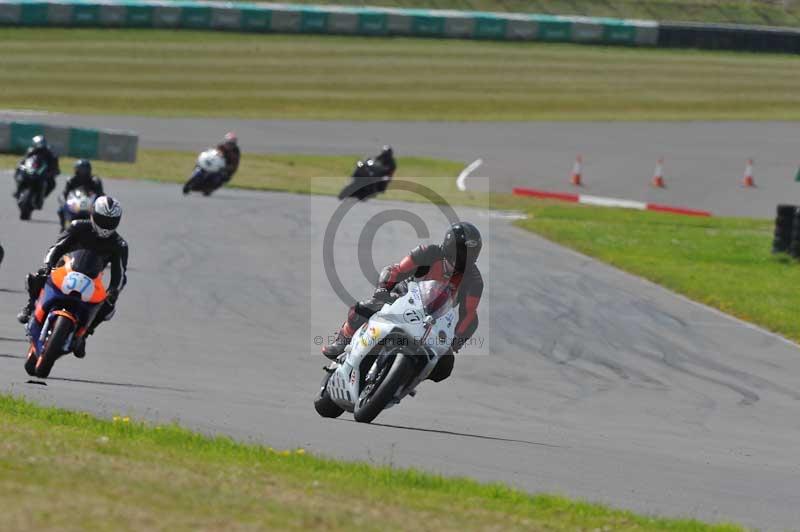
<point x="106" y="215"/>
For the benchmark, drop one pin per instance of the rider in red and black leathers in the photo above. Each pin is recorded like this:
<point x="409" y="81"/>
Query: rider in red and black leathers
<point x="453" y="261"/>
<point x="230" y="152"/>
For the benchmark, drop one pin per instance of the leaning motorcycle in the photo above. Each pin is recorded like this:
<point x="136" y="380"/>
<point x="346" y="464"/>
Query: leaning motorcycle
<point x="391" y="354"/>
<point x="208" y="174"/>
<point x="31" y="176"/>
<point x="69" y="301"/>
<point x="369" y="179"/>
<point x="78" y="206"/>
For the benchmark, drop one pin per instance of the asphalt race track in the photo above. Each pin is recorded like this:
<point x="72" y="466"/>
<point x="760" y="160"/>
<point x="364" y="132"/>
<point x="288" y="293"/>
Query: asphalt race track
<point x="704" y="161"/>
<point x="591" y="383"/>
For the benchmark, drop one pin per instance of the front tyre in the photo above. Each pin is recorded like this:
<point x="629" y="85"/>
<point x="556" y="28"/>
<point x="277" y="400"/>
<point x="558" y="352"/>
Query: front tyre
<point x="375" y="397"/>
<point x="53" y="347"/>
<point x="30" y="362"/>
<point x="25" y="204"/>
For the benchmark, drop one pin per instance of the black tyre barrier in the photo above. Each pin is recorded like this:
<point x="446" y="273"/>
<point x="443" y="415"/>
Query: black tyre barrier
<point x="728" y="37"/>
<point x="794" y="244"/>
<point x="784" y="223"/>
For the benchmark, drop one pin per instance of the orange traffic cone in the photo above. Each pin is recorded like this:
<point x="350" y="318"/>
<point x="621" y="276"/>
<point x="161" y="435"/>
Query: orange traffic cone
<point x="577" y="172"/>
<point x="658" y="175"/>
<point x="748" y="180"/>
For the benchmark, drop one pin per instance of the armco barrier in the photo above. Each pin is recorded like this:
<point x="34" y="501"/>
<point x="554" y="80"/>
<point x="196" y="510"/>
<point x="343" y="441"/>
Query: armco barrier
<point x="120" y="146"/>
<point x="346" y="20"/>
<point x="343" y="20"/>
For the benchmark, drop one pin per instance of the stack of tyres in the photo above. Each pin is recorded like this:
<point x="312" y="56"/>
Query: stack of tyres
<point x="784" y="226"/>
<point x="794" y="244"/>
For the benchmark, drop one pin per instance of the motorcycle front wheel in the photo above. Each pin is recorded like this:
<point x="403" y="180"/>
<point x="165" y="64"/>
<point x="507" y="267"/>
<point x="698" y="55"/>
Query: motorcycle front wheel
<point x="377" y="395"/>
<point x="25" y="204"/>
<point x="53" y="347"/>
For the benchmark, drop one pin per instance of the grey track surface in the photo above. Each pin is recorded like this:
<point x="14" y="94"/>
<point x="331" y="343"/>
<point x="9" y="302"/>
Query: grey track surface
<point x="704" y="161"/>
<point x="599" y="385"/>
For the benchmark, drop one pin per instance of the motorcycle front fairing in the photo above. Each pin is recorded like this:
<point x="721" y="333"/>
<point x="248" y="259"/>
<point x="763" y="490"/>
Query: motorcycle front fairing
<point x="69" y="291"/>
<point x="405" y="322"/>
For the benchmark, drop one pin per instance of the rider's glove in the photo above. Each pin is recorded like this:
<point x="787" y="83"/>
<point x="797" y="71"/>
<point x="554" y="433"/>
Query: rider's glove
<point x="384" y="280"/>
<point x="382" y="294"/>
<point x="44" y="271"/>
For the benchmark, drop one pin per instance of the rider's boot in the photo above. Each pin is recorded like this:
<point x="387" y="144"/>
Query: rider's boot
<point x="79" y="348"/>
<point x="25" y="313"/>
<point x="333" y="351"/>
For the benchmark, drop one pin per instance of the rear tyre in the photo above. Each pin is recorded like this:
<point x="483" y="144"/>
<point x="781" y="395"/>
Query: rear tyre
<point x="53" y="346"/>
<point x="323" y="403"/>
<point x="372" y="402"/>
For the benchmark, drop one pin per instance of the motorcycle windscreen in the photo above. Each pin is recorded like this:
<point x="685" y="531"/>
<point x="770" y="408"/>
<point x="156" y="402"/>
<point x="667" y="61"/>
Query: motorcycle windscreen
<point x="437" y="297"/>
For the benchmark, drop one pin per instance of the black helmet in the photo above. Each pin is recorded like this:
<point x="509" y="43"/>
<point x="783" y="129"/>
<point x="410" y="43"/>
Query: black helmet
<point x="83" y="168"/>
<point x="386" y="155"/>
<point x="106" y="215"/>
<point x="462" y="245"/>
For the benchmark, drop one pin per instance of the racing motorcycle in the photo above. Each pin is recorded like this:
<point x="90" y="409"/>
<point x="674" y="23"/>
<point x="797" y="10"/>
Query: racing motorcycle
<point x="369" y="179"/>
<point x="31" y="175"/>
<point x="66" y="306"/>
<point x="391" y="354"/>
<point x="208" y="174"/>
<point x="77" y="207"/>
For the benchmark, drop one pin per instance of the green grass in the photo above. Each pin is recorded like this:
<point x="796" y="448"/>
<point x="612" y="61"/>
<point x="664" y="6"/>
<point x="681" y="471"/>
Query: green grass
<point x="169" y="73"/>
<point x="723" y="262"/>
<point x="70" y="471"/>
<point x="317" y="174"/>
<point x="729" y="11"/>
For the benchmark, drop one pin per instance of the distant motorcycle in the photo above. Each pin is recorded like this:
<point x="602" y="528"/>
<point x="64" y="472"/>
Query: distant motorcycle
<point x="369" y="179"/>
<point x="209" y="173"/>
<point x="77" y="207"/>
<point x="68" y="303"/>
<point x="389" y="356"/>
<point x="31" y="175"/>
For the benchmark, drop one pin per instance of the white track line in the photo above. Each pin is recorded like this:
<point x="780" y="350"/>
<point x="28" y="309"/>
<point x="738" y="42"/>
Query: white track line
<point x="462" y="177"/>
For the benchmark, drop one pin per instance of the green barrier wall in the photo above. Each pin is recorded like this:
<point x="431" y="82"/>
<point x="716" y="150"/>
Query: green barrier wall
<point x="288" y="18"/>
<point x="15" y="137"/>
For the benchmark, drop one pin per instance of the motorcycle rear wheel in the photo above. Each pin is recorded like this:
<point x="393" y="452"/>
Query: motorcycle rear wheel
<point x="367" y="408"/>
<point x="323" y="403"/>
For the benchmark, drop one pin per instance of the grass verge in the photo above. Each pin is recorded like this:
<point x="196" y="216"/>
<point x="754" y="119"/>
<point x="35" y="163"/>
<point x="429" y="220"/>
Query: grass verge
<point x="185" y="73"/>
<point x="63" y="470"/>
<point x="723" y="262"/>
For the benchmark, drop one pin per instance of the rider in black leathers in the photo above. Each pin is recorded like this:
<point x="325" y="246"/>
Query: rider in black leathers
<point x="99" y="235"/>
<point x="39" y="147"/>
<point x="387" y="163"/>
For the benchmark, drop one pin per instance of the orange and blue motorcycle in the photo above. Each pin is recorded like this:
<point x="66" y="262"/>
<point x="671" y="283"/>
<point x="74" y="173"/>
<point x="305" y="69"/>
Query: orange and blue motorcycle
<point x="66" y="306"/>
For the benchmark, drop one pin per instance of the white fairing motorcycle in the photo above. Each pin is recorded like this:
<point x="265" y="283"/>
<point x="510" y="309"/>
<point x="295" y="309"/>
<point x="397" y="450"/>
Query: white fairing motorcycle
<point x="390" y="355"/>
<point x="208" y="174"/>
<point x="77" y="207"/>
